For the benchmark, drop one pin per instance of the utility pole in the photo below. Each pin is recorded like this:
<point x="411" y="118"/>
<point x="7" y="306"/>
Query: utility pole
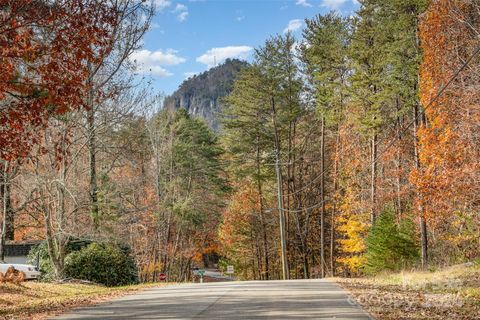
<point x="281" y="213"/>
<point x="322" y="198"/>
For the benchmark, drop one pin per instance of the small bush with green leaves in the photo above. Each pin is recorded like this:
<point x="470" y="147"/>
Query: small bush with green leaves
<point x="106" y="264"/>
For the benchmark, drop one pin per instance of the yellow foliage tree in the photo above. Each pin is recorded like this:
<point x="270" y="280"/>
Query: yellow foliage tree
<point x="352" y="224"/>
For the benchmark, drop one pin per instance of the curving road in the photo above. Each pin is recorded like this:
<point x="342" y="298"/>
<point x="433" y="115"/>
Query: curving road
<point x="293" y="299"/>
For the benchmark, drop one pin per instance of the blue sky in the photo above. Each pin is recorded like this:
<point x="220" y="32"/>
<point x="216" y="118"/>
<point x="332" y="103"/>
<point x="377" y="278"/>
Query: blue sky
<point x="189" y="37"/>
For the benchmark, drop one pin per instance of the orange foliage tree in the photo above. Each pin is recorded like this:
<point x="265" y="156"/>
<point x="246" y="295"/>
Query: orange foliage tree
<point x="240" y="232"/>
<point x="45" y="51"/>
<point x="449" y="145"/>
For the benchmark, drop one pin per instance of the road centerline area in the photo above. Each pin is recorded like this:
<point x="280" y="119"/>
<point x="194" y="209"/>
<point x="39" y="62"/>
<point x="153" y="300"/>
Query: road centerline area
<point x="293" y="299"/>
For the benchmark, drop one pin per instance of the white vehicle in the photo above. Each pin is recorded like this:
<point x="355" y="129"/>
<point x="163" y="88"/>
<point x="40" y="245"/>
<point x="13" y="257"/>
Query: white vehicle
<point x="31" y="272"/>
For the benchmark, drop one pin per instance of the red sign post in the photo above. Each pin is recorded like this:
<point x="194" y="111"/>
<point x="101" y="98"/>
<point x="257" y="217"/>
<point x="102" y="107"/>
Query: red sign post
<point x="163" y="277"/>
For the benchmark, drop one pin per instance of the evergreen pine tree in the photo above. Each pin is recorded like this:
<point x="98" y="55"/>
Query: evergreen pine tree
<point x="390" y="246"/>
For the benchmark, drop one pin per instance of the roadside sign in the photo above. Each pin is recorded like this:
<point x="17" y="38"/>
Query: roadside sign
<point x="230" y="270"/>
<point x="199" y="272"/>
<point x="162" y="276"/>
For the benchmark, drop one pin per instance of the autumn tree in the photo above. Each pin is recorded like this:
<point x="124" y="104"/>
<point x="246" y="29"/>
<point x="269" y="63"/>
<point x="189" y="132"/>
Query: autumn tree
<point x="34" y="37"/>
<point x="385" y="58"/>
<point x="111" y="79"/>
<point x="325" y="41"/>
<point x="189" y="183"/>
<point x="243" y="230"/>
<point x="448" y="144"/>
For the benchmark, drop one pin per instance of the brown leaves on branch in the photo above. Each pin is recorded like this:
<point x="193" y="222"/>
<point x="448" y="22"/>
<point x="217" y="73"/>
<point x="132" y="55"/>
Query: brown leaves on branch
<point x="46" y="48"/>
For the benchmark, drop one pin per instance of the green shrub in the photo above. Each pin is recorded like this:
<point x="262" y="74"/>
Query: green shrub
<point x="39" y="254"/>
<point x="476" y="262"/>
<point x="390" y="246"/>
<point x="223" y="263"/>
<point x="106" y="264"/>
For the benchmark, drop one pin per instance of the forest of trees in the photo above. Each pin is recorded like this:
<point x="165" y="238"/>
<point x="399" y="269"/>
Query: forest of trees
<point x="359" y="141"/>
<point x="375" y="123"/>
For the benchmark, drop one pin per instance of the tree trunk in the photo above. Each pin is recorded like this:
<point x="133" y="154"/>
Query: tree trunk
<point x="306" y="268"/>
<point x="262" y="214"/>
<point x="334" y="209"/>
<point x="322" y="199"/>
<point x="373" y="182"/>
<point x="423" y="221"/>
<point x="399" y="168"/>
<point x="8" y="212"/>
<point x="5" y="212"/>
<point x="55" y="241"/>
<point x="93" y="165"/>
<point x="423" y="227"/>
<point x="281" y="211"/>
<point x="417" y="121"/>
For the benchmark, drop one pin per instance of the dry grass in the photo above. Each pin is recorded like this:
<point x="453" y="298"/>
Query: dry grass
<point x="451" y="293"/>
<point x="36" y="300"/>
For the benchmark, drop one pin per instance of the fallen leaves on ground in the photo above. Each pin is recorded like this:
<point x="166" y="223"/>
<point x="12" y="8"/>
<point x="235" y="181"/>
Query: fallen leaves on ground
<point x="36" y="300"/>
<point x="452" y="293"/>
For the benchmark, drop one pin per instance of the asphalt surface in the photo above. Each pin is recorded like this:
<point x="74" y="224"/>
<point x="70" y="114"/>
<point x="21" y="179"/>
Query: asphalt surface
<point x="219" y="276"/>
<point x="293" y="299"/>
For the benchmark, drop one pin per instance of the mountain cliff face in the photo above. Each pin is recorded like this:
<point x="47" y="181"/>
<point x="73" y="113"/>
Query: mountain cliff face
<point x="200" y="95"/>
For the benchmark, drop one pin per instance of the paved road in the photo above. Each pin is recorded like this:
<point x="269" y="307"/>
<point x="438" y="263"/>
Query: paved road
<point x="294" y="299"/>
<point x="217" y="275"/>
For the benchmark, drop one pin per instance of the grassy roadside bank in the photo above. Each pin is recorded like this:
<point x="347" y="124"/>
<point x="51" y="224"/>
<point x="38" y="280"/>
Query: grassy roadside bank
<point x="34" y="300"/>
<point x="451" y="293"/>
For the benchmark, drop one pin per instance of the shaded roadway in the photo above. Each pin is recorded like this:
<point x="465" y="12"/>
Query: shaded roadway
<point x="292" y="299"/>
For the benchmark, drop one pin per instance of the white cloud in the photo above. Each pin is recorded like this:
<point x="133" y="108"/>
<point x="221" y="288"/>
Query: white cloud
<point x="333" y="4"/>
<point x="240" y="18"/>
<point x="155" y="25"/>
<point x="218" y="55"/>
<point x="153" y="62"/>
<point x="162" y="4"/>
<point x="155" y="71"/>
<point x="180" y="7"/>
<point x="167" y="58"/>
<point x="182" y="16"/>
<point x="303" y="3"/>
<point x="182" y="12"/>
<point x="293" y="25"/>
